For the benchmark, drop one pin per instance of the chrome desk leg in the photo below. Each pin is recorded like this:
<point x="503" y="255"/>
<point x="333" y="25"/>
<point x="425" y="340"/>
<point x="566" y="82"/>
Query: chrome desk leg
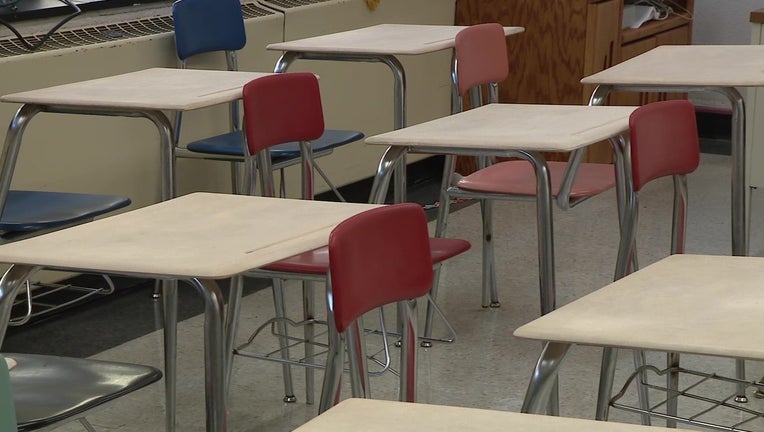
<point x="214" y="355"/>
<point x="166" y="152"/>
<point x="544" y="379"/>
<point x="740" y="193"/>
<point x="545" y="231"/>
<point x="170" y="328"/>
<point x="440" y="231"/>
<point x="740" y="200"/>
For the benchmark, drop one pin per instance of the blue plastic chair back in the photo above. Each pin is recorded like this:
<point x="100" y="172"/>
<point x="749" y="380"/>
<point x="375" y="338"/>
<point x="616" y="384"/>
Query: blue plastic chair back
<point x="7" y="410"/>
<point x="207" y="25"/>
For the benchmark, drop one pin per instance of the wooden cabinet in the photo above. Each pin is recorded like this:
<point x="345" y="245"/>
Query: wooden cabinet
<point x="754" y="125"/>
<point x="566" y="40"/>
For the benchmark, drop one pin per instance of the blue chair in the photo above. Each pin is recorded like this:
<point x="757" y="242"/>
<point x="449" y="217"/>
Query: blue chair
<point x="48" y="389"/>
<point x="204" y="26"/>
<point x="30" y="213"/>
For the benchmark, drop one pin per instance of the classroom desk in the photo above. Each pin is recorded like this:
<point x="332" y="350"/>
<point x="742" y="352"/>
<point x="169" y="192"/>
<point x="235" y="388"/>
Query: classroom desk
<point x="370" y="415"/>
<point x="698" y="68"/>
<point x="200" y="238"/>
<point x="379" y="43"/>
<point x="683" y="303"/>
<point x="510" y="130"/>
<point x="136" y="94"/>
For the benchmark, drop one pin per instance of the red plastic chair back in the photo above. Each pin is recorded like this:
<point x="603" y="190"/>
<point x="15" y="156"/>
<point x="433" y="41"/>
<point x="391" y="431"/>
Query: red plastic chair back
<point x="664" y="141"/>
<point x="378" y="257"/>
<point x="281" y="108"/>
<point x="481" y="56"/>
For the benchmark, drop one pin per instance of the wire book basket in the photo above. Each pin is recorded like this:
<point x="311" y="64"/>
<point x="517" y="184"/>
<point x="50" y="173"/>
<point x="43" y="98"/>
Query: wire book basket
<point x="703" y="399"/>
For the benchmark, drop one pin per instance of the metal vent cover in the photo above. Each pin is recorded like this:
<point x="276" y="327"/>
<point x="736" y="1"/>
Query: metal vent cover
<point x="286" y="4"/>
<point x="10" y="46"/>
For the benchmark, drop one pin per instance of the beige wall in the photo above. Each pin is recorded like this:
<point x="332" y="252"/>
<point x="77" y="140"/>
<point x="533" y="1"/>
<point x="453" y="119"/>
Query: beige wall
<point x="120" y="155"/>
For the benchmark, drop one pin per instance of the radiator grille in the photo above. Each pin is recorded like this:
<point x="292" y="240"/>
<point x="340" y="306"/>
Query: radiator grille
<point x="294" y="3"/>
<point x="10" y="46"/>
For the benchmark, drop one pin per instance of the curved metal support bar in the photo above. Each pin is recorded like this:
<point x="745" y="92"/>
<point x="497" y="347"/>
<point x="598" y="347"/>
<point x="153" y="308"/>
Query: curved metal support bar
<point x="399" y="91"/>
<point x="390" y="159"/>
<point x="10" y="284"/>
<point x="214" y="355"/>
<point x="599" y="95"/>
<point x="166" y="151"/>
<point x="574" y="161"/>
<point x="19" y="122"/>
<point x="285" y="61"/>
<point x="544" y="379"/>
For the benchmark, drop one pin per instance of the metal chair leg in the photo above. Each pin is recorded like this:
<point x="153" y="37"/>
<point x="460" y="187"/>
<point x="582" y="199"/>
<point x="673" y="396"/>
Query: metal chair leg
<point x="330" y="390"/>
<point x="490" y="293"/>
<point x="278" y="303"/>
<point x="672" y="387"/>
<point x="309" y="316"/>
<point x="359" y="368"/>
<point x="607" y="375"/>
<point x="232" y="323"/>
<point x="642" y="393"/>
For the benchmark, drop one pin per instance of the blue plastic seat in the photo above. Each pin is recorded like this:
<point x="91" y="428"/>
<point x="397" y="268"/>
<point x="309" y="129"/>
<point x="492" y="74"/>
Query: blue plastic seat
<point x="204" y="26"/>
<point x="27" y="212"/>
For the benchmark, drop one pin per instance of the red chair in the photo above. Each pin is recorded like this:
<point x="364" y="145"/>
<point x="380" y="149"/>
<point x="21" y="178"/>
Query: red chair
<point x="282" y="108"/>
<point x="664" y="142"/>
<point x="481" y="63"/>
<point x="378" y="257"/>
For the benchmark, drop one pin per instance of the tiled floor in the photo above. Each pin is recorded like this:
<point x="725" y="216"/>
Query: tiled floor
<point x="486" y="366"/>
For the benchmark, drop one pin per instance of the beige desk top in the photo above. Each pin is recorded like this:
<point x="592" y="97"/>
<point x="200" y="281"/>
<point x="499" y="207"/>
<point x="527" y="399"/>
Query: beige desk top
<point x="383" y="39"/>
<point x="515" y="127"/>
<point x="371" y="415"/>
<point x="198" y="235"/>
<point x="689" y="65"/>
<point x="157" y="88"/>
<point x="683" y="303"/>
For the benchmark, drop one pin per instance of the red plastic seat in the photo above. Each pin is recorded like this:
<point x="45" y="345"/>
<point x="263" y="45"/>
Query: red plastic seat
<point x="481" y="63"/>
<point x="283" y="108"/>
<point x="378" y="257"/>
